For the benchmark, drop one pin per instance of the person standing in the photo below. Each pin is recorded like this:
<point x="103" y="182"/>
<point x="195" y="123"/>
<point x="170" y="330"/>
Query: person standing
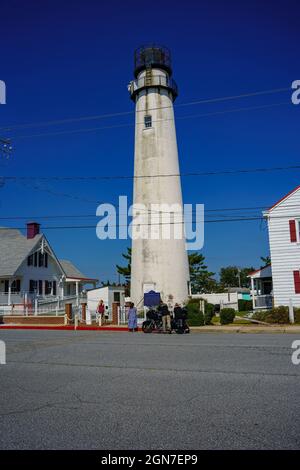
<point x="101" y="311"/>
<point x="132" y="318"/>
<point x="166" y="318"/>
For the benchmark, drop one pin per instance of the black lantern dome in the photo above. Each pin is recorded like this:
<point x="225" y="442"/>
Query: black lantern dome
<point x="152" y="56"/>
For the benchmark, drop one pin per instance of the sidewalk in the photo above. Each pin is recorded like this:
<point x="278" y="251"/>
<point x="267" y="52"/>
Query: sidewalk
<point x="246" y="329"/>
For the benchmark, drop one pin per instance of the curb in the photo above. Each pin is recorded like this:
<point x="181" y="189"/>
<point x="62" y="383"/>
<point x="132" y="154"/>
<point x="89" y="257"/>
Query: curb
<point x="64" y="327"/>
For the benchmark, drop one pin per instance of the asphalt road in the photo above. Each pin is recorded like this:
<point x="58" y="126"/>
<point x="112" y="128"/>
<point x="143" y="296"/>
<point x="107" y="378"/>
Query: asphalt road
<point x="91" y="390"/>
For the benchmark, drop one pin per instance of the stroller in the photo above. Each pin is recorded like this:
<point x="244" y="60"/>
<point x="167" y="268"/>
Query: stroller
<point x="179" y="323"/>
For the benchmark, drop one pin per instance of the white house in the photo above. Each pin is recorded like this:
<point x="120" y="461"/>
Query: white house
<point x="108" y="294"/>
<point x="281" y="280"/>
<point x="29" y="269"/>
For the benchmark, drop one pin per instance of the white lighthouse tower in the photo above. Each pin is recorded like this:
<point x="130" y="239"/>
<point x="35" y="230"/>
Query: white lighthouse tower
<point x="159" y="259"/>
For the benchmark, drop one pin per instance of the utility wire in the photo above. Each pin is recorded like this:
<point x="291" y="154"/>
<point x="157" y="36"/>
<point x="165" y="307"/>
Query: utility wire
<point x="124" y="113"/>
<point x="92" y="129"/>
<point x="158" y="223"/>
<point x="168" y="175"/>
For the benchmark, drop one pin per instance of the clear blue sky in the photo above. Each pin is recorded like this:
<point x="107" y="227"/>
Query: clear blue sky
<point x="71" y="59"/>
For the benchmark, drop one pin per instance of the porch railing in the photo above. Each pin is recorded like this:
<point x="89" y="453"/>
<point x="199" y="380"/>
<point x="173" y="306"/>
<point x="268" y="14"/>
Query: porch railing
<point x="263" y="301"/>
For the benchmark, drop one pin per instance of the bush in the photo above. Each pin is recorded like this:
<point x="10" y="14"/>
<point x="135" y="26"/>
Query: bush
<point x="209" y="313"/>
<point x="195" y="316"/>
<point x="278" y="315"/>
<point x="227" y="316"/>
<point x="297" y="315"/>
<point x="244" y="305"/>
<point x="260" y="315"/>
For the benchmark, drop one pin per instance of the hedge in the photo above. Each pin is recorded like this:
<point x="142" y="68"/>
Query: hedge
<point x="227" y="316"/>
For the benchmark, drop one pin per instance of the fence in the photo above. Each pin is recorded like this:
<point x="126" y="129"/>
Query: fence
<point x="28" y="304"/>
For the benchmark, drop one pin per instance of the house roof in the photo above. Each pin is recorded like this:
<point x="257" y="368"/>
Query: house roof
<point x="262" y="272"/>
<point x="283" y="198"/>
<point x="14" y="248"/>
<point x="71" y="271"/>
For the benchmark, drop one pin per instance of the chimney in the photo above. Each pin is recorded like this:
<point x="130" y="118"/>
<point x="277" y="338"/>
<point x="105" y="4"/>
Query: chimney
<point x="33" y="229"/>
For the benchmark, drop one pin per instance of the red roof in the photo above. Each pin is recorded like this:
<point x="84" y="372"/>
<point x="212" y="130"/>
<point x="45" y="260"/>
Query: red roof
<point x="257" y="270"/>
<point x="284" y="197"/>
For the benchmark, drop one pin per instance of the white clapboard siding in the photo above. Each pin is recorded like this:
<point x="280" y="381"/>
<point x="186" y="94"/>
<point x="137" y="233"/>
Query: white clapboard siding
<point x="285" y="255"/>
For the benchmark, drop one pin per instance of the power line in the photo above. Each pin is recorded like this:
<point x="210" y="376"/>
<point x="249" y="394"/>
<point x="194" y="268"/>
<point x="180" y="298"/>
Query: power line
<point x="124" y="113"/>
<point x="158" y="223"/>
<point x="79" y="216"/>
<point x="92" y="129"/>
<point x="168" y="175"/>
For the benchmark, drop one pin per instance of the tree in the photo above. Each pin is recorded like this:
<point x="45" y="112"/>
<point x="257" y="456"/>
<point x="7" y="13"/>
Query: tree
<point x="200" y="277"/>
<point x="233" y="276"/>
<point x="125" y="271"/>
<point x="266" y="260"/>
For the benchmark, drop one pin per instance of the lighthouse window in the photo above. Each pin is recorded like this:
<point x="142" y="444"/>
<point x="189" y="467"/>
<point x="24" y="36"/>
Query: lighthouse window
<point x="148" y="121"/>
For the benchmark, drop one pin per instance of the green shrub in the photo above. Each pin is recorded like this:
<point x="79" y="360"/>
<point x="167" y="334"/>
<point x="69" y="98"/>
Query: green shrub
<point x="278" y="315"/>
<point x="227" y="316"/>
<point x="244" y="305"/>
<point x="195" y="316"/>
<point x="260" y="315"/>
<point x="209" y="313"/>
<point x="297" y="315"/>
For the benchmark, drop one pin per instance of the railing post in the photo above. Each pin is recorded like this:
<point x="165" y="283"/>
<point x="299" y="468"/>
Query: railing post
<point x="291" y="312"/>
<point x="68" y="310"/>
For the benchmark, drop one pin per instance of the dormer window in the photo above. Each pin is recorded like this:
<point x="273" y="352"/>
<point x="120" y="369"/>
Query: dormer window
<point x="148" y="121"/>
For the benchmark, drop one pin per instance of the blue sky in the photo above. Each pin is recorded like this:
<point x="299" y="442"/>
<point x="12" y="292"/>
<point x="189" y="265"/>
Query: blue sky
<point x="72" y="59"/>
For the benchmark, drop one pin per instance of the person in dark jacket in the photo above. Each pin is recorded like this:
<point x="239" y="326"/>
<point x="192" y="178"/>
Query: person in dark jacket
<point x="166" y="317"/>
<point x="177" y="312"/>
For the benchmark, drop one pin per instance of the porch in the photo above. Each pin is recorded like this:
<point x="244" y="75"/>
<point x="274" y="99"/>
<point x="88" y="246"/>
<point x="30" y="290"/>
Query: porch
<point x="262" y="288"/>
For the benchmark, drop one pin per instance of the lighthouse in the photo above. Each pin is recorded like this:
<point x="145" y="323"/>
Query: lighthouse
<point x="159" y="258"/>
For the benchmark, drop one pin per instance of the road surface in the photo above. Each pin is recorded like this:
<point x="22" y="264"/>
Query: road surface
<point x="92" y="390"/>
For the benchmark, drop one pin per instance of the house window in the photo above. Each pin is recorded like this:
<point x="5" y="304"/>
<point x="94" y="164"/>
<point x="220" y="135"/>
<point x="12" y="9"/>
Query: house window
<point x="16" y="286"/>
<point x="30" y="260"/>
<point x="148" y="121"/>
<point x="297" y="281"/>
<point x="40" y="287"/>
<point x="48" y="287"/>
<point x="43" y="259"/>
<point x="294" y="231"/>
<point x="54" y="287"/>
<point x="33" y="286"/>
<point x="116" y="296"/>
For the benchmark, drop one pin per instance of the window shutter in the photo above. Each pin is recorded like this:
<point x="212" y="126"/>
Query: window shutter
<point x="293" y="234"/>
<point x="297" y="282"/>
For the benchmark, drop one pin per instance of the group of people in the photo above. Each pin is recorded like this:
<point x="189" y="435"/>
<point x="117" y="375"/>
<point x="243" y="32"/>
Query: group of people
<point x="166" y="314"/>
<point x="162" y="309"/>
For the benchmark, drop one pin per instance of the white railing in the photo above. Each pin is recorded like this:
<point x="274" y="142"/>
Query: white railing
<point x="123" y="316"/>
<point x="26" y="303"/>
<point x="263" y="301"/>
